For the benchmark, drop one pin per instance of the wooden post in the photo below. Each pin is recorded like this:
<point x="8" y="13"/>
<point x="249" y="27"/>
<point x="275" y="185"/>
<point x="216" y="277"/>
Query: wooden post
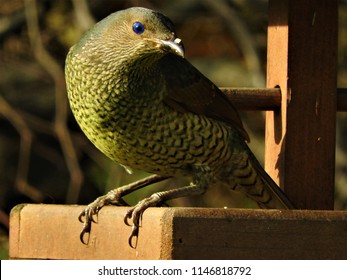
<point x="300" y="137"/>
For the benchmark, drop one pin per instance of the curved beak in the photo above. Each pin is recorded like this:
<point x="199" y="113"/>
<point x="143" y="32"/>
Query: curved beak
<point x="173" y="45"/>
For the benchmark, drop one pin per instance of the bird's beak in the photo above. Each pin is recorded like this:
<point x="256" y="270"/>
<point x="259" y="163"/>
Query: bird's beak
<point x="173" y="45"/>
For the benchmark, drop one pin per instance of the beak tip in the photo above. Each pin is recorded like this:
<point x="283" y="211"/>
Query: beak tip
<point x="180" y="48"/>
<point x="175" y="46"/>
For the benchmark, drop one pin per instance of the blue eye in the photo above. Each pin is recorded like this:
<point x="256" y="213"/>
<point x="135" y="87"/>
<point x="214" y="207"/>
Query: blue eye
<point x="138" y="27"/>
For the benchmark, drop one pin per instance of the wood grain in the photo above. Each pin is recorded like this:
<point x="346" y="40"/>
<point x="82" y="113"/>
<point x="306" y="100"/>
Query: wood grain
<point x="300" y="137"/>
<point x="52" y="232"/>
<point x="269" y="99"/>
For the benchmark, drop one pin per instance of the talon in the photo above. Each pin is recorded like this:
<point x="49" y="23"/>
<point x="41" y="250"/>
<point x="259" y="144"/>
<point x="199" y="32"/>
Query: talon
<point x="81" y="215"/>
<point x="137" y="217"/>
<point x="82" y="234"/>
<point x="128" y="216"/>
<point x="88" y="215"/>
<point x="134" y="234"/>
<point x="86" y="230"/>
<point x="91" y="217"/>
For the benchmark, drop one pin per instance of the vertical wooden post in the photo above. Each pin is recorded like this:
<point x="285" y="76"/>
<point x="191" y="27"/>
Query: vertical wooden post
<point x="300" y="137"/>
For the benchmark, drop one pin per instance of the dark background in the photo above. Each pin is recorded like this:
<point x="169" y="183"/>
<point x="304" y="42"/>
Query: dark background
<point x="44" y="157"/>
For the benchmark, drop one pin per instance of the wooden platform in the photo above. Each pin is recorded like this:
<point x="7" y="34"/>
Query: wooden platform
<point x="52" y="232"/>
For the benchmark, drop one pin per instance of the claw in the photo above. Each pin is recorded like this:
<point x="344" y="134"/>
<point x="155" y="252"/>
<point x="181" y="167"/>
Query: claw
<point x="128" y="216"/>
<point x="114" y="197"/>
<point x="88" y="215"/>
<point x="87" y="224"/>
<point x="134" y="234"/>
<point x="91" y="216"/>
<point x="81" y="215"/>
<point x="135" y="215"/>
<point x="85" y="230"/>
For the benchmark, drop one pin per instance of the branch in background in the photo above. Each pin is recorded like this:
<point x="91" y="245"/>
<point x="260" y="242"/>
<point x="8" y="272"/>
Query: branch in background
<point x="84" y="18"/>
<point x="24" y="152"/>
<point x="61" y="113"/>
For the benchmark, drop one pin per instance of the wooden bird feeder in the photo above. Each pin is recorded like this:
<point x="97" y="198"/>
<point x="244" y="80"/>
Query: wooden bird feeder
<point x="301" y="100"/>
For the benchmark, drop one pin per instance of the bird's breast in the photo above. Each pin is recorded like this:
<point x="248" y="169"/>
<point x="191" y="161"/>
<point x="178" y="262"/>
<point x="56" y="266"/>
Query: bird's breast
<point x="129" y="122"/>
<point x="158" y="139"/>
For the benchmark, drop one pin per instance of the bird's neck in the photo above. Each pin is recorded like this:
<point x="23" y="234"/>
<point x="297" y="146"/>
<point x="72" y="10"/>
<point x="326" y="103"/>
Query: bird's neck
<point x="141" y="80"/>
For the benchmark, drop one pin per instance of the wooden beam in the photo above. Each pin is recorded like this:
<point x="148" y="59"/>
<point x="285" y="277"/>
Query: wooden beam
<point x="300" y="137"/>
<point x="269" y="99"/>
<point x="52" y="232"/>
<point x="262" y="99"/>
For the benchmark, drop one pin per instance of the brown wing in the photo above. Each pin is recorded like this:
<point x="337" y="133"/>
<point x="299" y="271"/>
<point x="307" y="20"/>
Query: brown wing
<point x="190" y="91"/>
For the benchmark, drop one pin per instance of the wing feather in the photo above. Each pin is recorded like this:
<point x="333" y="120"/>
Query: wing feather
<point x="188" y="90"/>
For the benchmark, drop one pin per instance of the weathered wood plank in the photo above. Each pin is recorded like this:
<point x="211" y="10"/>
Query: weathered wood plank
<point x="52" y="232"/>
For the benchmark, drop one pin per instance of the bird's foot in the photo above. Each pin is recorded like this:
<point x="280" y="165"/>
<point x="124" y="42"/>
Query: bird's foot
<point x="113" y="197"/>
<point x="89" y="213"/>
<point x="199" y="185"/>
<point x="135" y="215"/>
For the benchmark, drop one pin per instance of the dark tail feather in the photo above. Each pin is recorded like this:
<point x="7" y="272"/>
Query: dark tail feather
<point x="276" y="198"/>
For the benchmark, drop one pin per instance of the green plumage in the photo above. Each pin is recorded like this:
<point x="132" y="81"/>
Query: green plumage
<point x="146" y="107"/>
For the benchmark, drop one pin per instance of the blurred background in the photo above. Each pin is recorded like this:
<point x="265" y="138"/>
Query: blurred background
<point x="44" y="157"/>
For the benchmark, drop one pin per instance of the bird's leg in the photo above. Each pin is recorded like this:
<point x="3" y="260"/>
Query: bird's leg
<point x="113" y="197"/>
<point x="199" y="185"/>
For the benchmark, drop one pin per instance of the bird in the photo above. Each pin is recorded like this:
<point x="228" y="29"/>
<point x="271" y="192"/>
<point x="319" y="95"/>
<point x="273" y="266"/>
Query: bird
<point x="146" y="107"/>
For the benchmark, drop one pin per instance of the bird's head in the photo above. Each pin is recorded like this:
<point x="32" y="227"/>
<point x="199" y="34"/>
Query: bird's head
<point x="131" y="33"/>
